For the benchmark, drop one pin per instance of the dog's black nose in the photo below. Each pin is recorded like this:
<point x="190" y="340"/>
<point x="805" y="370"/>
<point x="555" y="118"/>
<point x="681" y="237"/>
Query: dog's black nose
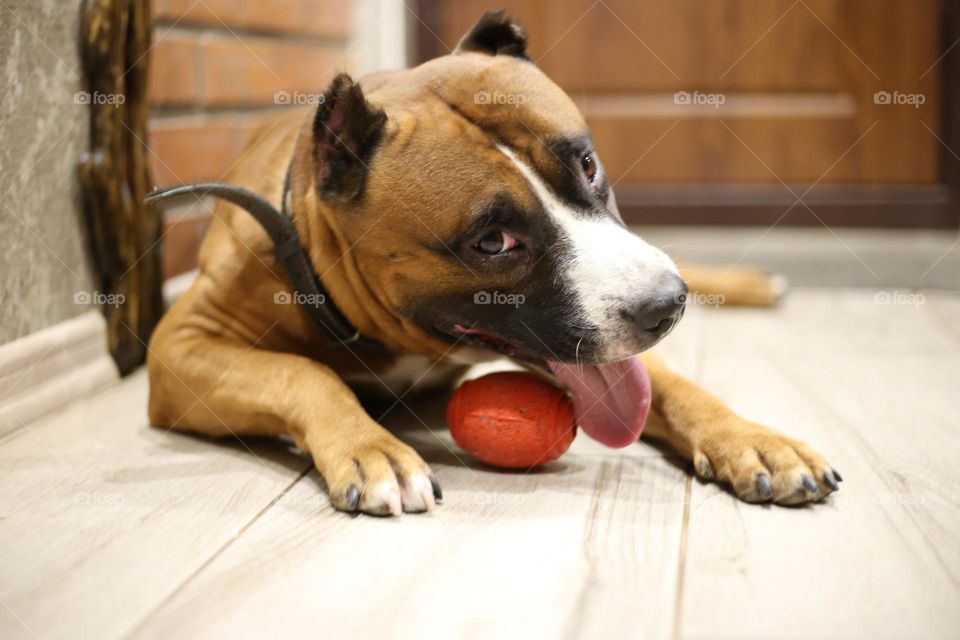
<point x="657" y="314"/>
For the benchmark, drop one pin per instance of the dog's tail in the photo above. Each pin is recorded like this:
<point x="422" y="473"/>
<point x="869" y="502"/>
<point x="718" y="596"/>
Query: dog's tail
<point x="733" y="286"/>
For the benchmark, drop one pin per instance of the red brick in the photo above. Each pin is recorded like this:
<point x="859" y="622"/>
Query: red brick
<point x="205" y="148"/>
<point x="181" y="243"/>
<point x="170" y="10"/>
<point x="326" y="18"/>
<point x="252" y="71"/>
<point x="321" y="18"/>
<point x="174" y="70"/>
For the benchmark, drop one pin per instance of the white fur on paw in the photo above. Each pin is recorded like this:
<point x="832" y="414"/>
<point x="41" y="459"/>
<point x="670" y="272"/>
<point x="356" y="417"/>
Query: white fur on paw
<point x="384" y="497"/>
<point x="417" y="493"/>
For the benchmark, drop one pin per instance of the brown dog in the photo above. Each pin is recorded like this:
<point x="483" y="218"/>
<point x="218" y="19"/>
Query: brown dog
<point x="424" y="198"/>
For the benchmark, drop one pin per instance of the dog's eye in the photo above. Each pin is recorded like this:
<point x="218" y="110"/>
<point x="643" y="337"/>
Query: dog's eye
<point x="496" y="242"/>
<point x="589" y="167"/>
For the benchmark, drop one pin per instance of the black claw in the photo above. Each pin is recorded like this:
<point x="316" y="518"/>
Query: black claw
<point x="836" y="474"/>
<point x="763" y="486"/>
<point x="810" y="484"/>
<point x="437" y="491"/>
<point x="828" y="478"/>
<point x="353" y="498"/>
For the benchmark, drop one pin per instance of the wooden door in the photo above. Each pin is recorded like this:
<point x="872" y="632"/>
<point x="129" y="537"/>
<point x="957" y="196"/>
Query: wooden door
<point x="695" y="103"/>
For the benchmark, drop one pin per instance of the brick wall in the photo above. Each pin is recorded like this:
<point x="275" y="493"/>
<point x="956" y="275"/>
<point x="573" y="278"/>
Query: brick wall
<point x="217" y="66"/>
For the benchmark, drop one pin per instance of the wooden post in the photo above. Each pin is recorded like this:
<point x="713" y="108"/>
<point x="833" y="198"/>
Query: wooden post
<point x="124" y="233"/>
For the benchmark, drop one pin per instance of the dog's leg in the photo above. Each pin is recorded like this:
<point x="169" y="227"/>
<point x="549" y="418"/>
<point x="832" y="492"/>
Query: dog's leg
<point x="219" y="387"/>
<point x="734" y="286"/>
<point x="757" y="462"/>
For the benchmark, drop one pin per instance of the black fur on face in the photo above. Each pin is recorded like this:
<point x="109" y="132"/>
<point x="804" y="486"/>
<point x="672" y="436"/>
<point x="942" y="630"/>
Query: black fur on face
<point x="521" y="299"/>
<point x="495" y="34"/>
<point x="564" y="173"/>
<point x="346" y="131"/>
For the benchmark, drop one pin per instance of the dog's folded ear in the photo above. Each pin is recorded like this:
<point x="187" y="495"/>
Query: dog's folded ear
<point x="346" y="131"/>
<point x="495" y="34"/>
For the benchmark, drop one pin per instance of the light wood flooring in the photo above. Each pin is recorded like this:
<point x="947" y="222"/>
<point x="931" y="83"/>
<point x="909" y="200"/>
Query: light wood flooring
<point x="112" y="529"/>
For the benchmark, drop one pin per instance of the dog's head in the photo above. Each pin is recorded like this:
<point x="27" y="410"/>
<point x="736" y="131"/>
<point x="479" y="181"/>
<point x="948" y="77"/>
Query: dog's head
<point x="475" y="209"/>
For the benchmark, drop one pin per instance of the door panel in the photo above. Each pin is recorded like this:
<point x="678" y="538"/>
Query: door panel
<point x="797" y="79"/>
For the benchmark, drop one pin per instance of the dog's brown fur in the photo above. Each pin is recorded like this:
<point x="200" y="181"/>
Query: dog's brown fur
<point x="225" y="361"/>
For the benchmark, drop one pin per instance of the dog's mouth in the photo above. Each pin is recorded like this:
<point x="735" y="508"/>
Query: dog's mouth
<point x="473" y="337"/>
<point x="611" y="400"/>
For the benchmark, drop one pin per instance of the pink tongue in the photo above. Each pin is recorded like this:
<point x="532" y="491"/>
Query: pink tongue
<point x="610" y="401"/>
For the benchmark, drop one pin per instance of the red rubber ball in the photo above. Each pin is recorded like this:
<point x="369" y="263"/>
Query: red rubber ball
<point x="512" y="420"/>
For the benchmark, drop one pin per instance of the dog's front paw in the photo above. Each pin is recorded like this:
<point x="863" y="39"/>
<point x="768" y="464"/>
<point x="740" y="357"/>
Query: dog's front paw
<point x="380" y="476"/>
<point x="762" y="465"/>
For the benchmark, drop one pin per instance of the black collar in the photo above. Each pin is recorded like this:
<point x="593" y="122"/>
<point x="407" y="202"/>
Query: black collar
<point x="307" y="286"/>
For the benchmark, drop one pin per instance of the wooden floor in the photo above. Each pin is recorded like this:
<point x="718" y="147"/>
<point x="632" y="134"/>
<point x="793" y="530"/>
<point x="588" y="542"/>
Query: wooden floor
<point x="111" y="529"/>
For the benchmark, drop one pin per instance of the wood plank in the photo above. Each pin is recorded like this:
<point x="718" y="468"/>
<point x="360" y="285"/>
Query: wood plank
<point x="934" y="216"/>
<point x="102" y="516"/>
<point x="727" y="105"/>
<point x="762" y="149"/>
<point x="587" y="545"/>
<point x="781" y="196"/>
<point x="801" y="80"/>
<point x="904" y="146"/>
<point x="830" y="206"/>
<point x="713" y="45"/>
<point x="825" y="325"/>
<point x="872" y="387"/>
